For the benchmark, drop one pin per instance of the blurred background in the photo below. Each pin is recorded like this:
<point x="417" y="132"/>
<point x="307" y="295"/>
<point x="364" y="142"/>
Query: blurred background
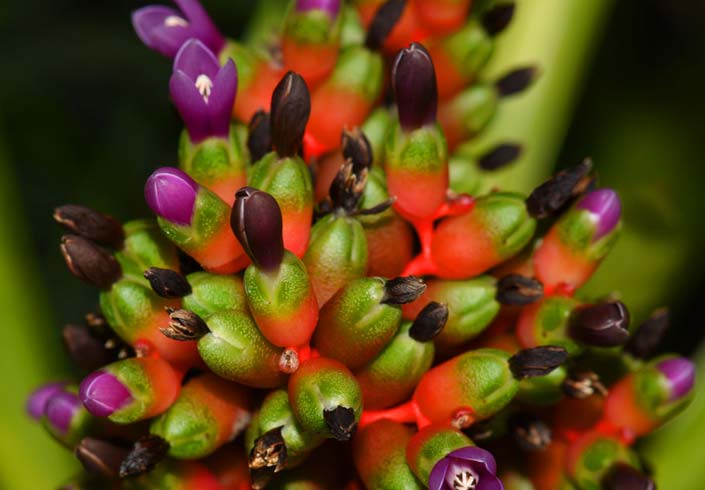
<point x="85" y="117"/>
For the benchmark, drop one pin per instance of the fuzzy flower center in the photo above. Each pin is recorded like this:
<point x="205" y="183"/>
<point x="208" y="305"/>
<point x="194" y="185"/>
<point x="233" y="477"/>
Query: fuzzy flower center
<point x="175" y="21"/>
<point x="204" y="85"/>
<point x="461" y="478"/>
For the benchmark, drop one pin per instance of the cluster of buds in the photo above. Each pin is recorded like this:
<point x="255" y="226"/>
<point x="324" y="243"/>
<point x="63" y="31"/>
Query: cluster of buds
<point x="318" y="273"/>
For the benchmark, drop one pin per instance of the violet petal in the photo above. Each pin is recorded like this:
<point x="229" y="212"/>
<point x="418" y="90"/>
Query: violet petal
<point x="103" y="394"/>
<point x="37" y="400"/>
<point x="680" y="373"/>
<point x="150" y="25"/>
<point x="220" y="103"/>
<point x="195" y="59"/>
<point x="191" y="106"/>
<point x="203" y="26"/>
<point x="438" y="475"/>
<point x="171" y="194"/>
<point x="60" y="410"/>
<point x="330" y="7"/>
<point x="606" y="209"/>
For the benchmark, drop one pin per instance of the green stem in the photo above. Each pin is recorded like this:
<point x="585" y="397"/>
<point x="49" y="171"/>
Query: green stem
<point x="559" y="37"/>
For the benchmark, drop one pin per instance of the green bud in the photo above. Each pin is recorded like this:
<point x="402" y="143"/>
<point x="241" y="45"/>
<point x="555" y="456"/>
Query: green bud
<point x="312" y="27"/>
<point x="542" y="390"/>
<point x="376" y="128"/>
<point x="469" y="49"/>
<point x="597" y="454"/>
<point x="360" y="71"/>
<point x="287" y="179"/>
<point x="549" y="324"/>
<point x="474" y="107"/>
<point x="507" y="221"/>
<point x="211" y="293"/>
<point x="145" y="246"/>
<point x="130" y="308"/>
<point x="422" y="151"/>
<point x="352" y="32"/>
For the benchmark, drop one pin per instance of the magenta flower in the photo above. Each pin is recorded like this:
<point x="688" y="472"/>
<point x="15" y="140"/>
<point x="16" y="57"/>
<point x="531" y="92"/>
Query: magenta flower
<point x="330" y="7"/>
<point x="165" y="29"/>
<point x="171" y="194"/>
<point x="605" y="208"/>
<point x="202" y="91"/>
<point x="468" y="468"/>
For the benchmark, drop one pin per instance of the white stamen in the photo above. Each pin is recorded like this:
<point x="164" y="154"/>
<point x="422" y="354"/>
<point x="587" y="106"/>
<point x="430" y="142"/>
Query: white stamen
<point x="204" y="86"/>
<point x="465" y="480"/>
<point x="175" y="21"/>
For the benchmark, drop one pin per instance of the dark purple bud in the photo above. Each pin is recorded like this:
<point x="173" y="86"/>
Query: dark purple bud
<point x="290" y="110"/>
<point x="89" y="262"/>
<point x="648" y="335"/>
<point x="624" y="477"/>
<point x="515" y="289"/>
<point x="403" y="290"/>
<point x="605" y="208"/>
<point x="100" y="457"/>
<point x="429" y="322"/>
<point x="259" y="138"/>
<point x="516" y="80"/>
<point x="601" y="325"/>
<point x="103" y="394"/>
<point x="171" y="194"/>
<point x="341" y="422"/>
<point x="86" y="347"/>
<point x="680" y="376"/>
<point x="256" y="221"/>
<point x="165" y="30"/>
<point x="167" y="283"/>
<point x="37" y="400"/>
<point x="499" y="157"/>
<point x="202" y="91"/>
<point x="144" y="456"/>
<point x="60" y="410"/>
<point x="496" y="19"/>
<point x="357" y="149"/>
<point x="90" y="224"/>
<point x="550" y="197"/>
<point x="537" y="361"/>
<point x="415" y="90"/>
<point x="469" y="468"/>
<point x="330" y="7"/>
<point x="384" y="20"/>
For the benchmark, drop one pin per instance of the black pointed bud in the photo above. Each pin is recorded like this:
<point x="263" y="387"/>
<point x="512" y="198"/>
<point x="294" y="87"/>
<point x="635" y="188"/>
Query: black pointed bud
<point x="537" y="361"/>
<point x="415" y="90"/>
<point x="86" y="347"/>
<point x="256" y="221"/>
<point x="145" y="454"/>
<point x="346" y="189"/>
<point x="624" y="477"/>
<point x="516" y="80"/>
<point x="402" y="290"/>
<point x="649" y="335"/>
<point x="583" y="385"/>
<point x="602" y="325"/>
<point x="496" y="19"/>
<point x="101" y="457"/>
<point x="90" y="224"/>
<point x="500" y="156"/>
<point x="429" y="322"/>
<point x="530" y="433"/>
<point x="550" y="197"/>
<point x="341" y="422"/>
<point x="515" y="289"/>
<point x="268" y="456"/>
<point x="188" y="264"/>
<point x="357" y="149"/>
<point x="167" y="283"/>
<point x="89" y="262"/>
<point x="259" y="138"/>
<point x="384" y="20"/>
<point x="184" y="325"/>
<point x="291" y="108"/>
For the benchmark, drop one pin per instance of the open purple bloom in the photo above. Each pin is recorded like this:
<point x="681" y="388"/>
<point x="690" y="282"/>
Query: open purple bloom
<point x="202" y="91"/>
<point x="468" y="468"/>
<point x="165" y="29"/>
<point x="605" y="208"/>
<point x="330" y="7"/>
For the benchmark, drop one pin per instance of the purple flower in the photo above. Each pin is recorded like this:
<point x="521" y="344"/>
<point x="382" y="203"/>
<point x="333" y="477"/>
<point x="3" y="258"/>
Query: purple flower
<point x="415" y="90"/>
<point x="604" y="206"/>
<point x="680" y="376"/>
<point x="61" y="409"/>
<point x="202" y="91"/>
<point x="171" y="194"/>
<point x="37" y="400"/>
<point x="165" y="29"/>
<point x="103" y="394"/>
<point x="330" y="7"/>
<point x="468" y="468"/>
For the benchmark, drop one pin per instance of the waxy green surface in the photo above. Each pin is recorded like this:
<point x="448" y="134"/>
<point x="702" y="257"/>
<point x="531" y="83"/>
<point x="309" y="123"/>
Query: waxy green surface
<point x="211" y="293"/>
<point x="375" y="193"/>
<point x="469" y="48"/>
<point x="354" y="325"/>
<point x="288" y="180"/>
<point x="130" y="372"/>
<point x="276" y="412"/>
<point x="214" y="158"/>
<point x="82" y="424"/>
<point x="485" y="381"/>
<point x="597" y="458"/>
<point x="320" y="385"/>
<point x="360" y="71"/>
<point x="352" y="32"/>
<point x="312" y="27"/>
<point x="551" y="323"/>
<point x="434" y="444"/>
<point x="475" y="107"/>
<point x="129" y="306"/>
<point x="246" y="60"/>
<point x="576" y="229"/>
<point x="542" y="390"/>
<point x="337" y="252"/>
<point x="145" y="246"/>
<point x="423" y="151"/>
<point x="277" y="294"/>
<point x="506" y="220"/>
<point x="390" y="377"/>
<point x="236" y="350"/>
<point x="376" y="128"/>
<point x="652" y="391"/>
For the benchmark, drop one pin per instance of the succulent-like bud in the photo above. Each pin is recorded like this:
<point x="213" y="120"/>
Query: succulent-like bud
<point x="605" y="209"/>
<point x="415" y="91"/>
<point x="602" y="325"/>
<point x="550" y="197"/>
<point x="290" y="110"/>
<point x="90" y="224"/>
<point x="679" y="374"/>
<point x="184" y="325"/>
<point x="37" y="400"/>
<point x="256" y="221"/>
<point x="167" y="283"/>
<point x="89" y="262"/>
<point x="537" y="361"/>
<point x="402" y="290"/>
<point x="103" y="394"/>
<point x="171" y="194"/>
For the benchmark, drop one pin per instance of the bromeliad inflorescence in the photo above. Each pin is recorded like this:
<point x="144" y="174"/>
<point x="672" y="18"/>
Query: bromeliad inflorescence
<point x="318" y="271"/>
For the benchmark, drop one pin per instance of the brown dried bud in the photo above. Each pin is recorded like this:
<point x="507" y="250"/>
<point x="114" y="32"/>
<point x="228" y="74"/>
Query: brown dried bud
<point x="90" y="224"/>
<point x="530" y="433"/>
<point x="167" y="283"/>
<point x="100" y="457"/>
<point x="145" y="454"/>
<point x="184" y="325"/>
<point x="537" y="361"/>
<point x="341" y="422"/>
<point x="403" y="290"/>
<point x="496" y="19"/>
<point x="268" y="456"/>
<point x="291" y="108"/>
<point x="515" y="289"/>
<point x="357" y="149"/>
<point x="429" y="322"/>
<point x="347" y="187"/>
<point x="583" y="385"/>
<point x="384" y="20"/>
<point x="86" y="347"/>
<point x="649" y="335"/>
<point x="89" y="262"/>
<point x="550" y="197"/>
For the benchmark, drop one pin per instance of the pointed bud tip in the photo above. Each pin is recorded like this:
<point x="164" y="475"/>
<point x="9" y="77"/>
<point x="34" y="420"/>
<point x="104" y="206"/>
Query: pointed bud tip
<point x="171" y="194"/>
<point x="601" y="325"/>
<point x="550" y="197"/>
<point x="680" y="375"/>
<point x="101" y="457"/>
<point x="256" y="221"/>
<point x="516" y="80"/>
<point x="103" y="394"/>
<point x="185" y="325"/>
<point x="496" y="19"/>
<point x="648" y="336"/>
<point x="384" y="20"/>
<point x="167" y="283"/>
<point x="259" y="138"/>
<point x="537" y="361"/>
<point x="90" y="224"/>
<point x="341" y="422"/>
<point x="402" y="290"/>
<point x="37" y="400"/>
<point x="606" y="209"/>
<point x="500" y="156"/>
<point x="415" y="89"/>
<point x="89" y="262"/>
<point x="429" y="322"/>
<point x="290" y="110"/>
<point x="145" y="454"/>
